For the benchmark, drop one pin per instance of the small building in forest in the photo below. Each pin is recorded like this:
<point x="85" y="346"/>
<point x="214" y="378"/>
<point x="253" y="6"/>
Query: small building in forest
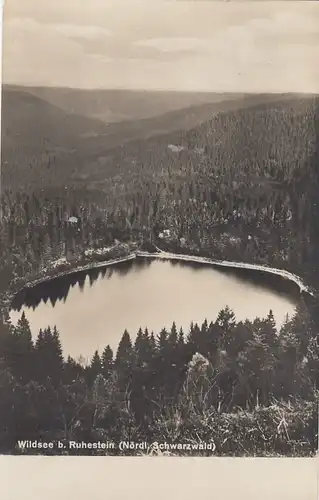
<point x="165" y="234"/>
<point x="175" y="148"/>
<point x="73" y="220"/>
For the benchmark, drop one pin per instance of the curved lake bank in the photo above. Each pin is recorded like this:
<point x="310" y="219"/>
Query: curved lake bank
<point x="92" y="308"/>
<point x="55" y="271"/>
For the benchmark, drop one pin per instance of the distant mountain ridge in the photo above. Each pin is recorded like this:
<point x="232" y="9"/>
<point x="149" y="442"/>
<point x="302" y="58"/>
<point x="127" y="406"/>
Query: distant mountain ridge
<point x="43" y="143"/>
<point x="113" y="106"/>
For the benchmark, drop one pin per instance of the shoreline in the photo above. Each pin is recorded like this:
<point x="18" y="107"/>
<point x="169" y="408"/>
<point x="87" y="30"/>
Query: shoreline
<point x="235" y="265"/>
<point x="79" y="269"/>
<point x="160" y="254"/>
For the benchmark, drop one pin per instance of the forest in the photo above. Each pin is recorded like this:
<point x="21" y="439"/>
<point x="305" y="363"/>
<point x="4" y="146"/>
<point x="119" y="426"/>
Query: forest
<point x="245" y="387"/>
<point x="242" y="186"/>
<point x="256" y="203"/>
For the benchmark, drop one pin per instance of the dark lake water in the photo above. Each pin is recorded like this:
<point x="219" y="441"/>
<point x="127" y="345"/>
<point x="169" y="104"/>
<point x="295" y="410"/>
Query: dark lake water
<point x="92" y="309"/>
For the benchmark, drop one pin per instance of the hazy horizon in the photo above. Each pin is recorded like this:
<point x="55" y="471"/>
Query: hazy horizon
<point x="154" y="90"/>
<point x="216" y="47"/>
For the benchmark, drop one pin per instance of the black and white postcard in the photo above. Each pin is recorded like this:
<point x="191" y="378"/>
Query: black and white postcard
<point x="159" y="234"/>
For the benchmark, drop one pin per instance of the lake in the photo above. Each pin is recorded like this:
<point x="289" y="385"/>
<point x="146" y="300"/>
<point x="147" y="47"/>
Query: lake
<point x="92" y="309"/>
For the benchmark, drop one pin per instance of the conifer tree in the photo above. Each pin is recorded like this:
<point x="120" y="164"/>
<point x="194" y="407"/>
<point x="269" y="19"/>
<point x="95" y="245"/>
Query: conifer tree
<point x="107" y="362"/>
<point x="73" y="370"/>
<point x="195" y="341"/>
<point x="5" y="336"/>
<point x="138" y="346"/>
<point x="24" y="348"/>
<point x="182" y="354"/>
<point x="124" y="360"/>
<point x="48" y="356"/>
<point x="302" y="327"/>
<point x="95" y="368"/>
<point x="226" y="319"/>
<point x="161" y="341"/>
<point x="124" y="352"/>
<point x="175" y="360"/>
<point x="173" y="336"/>
<point x="181" y="339"/>
<point x="57" y="348"/>
<point x="153" y="342"/>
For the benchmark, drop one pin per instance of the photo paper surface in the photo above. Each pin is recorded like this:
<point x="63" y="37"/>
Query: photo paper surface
<point x="159" y="229"/>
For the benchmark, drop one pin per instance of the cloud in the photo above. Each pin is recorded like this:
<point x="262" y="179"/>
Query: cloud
<point x="78" y="31"/>
<point x="172" y="44"/>
<point x="295" y="21"/>
<point x="37" y="54"/>
<point x="258" y="40"/>
<point x="101" y="58"/>
<point x="249" y="46"/>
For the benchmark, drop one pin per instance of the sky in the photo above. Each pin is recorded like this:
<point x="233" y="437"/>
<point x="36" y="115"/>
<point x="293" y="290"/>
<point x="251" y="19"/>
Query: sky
<point x="218" y="46"/>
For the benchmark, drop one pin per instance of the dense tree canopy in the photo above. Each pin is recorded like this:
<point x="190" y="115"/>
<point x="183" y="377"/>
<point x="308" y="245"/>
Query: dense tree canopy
<point x="222" y="368"/>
